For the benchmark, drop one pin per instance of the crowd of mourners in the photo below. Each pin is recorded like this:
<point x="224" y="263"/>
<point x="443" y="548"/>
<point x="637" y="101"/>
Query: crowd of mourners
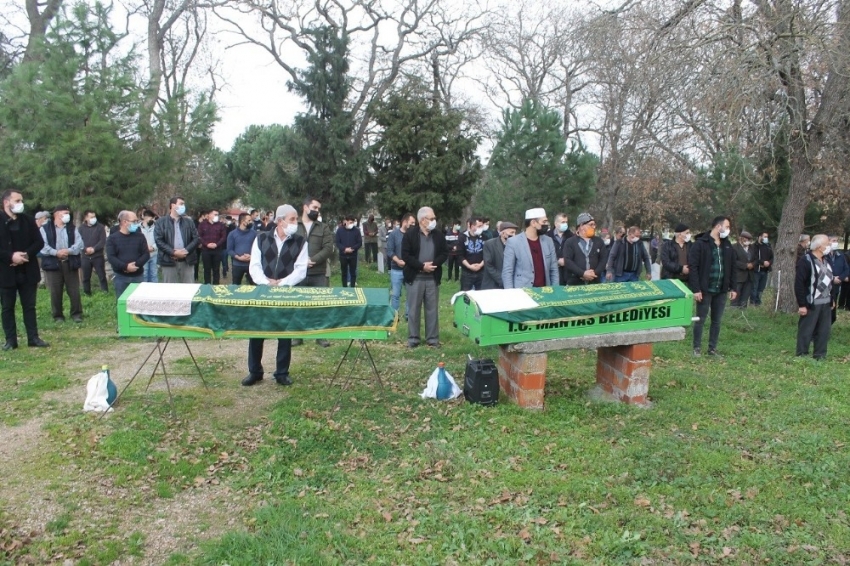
<point x="294" y="247"/>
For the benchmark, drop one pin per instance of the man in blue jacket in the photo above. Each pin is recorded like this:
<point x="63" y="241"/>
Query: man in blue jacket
<point x="840" y="271"/>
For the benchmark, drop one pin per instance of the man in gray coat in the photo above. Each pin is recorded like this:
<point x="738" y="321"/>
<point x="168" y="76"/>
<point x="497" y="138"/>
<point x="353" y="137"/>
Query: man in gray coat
<point x="494" y="256"/>
<point x="531" y="261"/>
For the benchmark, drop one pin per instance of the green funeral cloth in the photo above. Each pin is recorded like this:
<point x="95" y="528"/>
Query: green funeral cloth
<point x="233" y="310"/>
<point x="581" y="301"/>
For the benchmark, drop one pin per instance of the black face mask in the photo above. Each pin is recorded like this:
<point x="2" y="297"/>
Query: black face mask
<point x="313" y="215"/>
<point x="543" y="230"/>
<point x="150" y="222"/>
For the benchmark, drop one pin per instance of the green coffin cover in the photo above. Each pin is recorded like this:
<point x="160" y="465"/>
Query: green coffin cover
<point x="581" y="301"/>
<point x="235" y="311"/>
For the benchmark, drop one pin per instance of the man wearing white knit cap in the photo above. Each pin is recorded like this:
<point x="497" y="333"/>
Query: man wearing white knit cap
<point x="278" y="258"/>
<point x="531" y="261"/>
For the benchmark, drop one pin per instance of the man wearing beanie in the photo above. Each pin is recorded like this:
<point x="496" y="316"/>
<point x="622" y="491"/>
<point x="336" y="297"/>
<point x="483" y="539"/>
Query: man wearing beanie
<point x="585" y="254"/>
<point x="531" y="261"/>
<point x="674" y="255"/>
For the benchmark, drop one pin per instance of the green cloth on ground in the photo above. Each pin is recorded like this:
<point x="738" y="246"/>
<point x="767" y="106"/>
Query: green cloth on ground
<point x="234" y="311"/>
<point x="581" y="301"/>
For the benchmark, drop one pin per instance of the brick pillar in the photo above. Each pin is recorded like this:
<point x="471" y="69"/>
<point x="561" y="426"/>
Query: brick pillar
<point x="522" y="377"/>
<point x="622" y="372"/>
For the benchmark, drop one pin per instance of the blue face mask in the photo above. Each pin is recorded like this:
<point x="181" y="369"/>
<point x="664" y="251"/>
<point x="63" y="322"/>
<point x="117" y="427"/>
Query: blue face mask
<point x="564" y="226"/>
<point x="133" y="227"/>
<point x="181" y="210"/>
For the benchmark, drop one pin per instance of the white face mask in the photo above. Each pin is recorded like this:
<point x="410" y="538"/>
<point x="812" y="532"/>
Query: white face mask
<point x="606" y="241"/>
<point x="290" y="229"/>
<point x="350" y="226"/>
<point x="687" y="237"/>
<point x="432" y="225"/>
<point x="18" y="208"/>
<point x="724" y="233"/>
<point x="833" y="246"/>
<point x="215" y="219"/>
<point x="66" y="218"/>
<point x="92" y="220"/>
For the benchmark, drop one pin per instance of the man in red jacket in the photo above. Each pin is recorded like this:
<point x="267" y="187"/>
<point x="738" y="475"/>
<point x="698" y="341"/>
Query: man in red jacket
<point x="213" y="235"/>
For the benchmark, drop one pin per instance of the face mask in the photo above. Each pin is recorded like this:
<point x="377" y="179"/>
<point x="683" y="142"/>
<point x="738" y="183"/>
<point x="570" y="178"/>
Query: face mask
<point x="133" y="227"/>
<point x="18" y="208"/>
<point x="92" y="221"/>
<point x="66" y="218"/>
<point x="564" y="226"/>
<point x="833" y="246"/>
<point x="606" y="241"/>
<point x="214" y="219"/>
<point x="313" y="215"/>
<point x="150" y="222"/>
<point x="457" y="227"/>
<point x="633" y="240"/>
<point x="290" y="229"/>
<point x="764" y="240"/>
<point x="687" y="237"/>
<point x="543" y="229"/>
<point x="350" y="226"/>
<point x="589" y="232"/>
<point x="724" y="234"/>
<point x="181" y="210"/>
<point x="485" y="228"/>
<point x="432" y="225"/>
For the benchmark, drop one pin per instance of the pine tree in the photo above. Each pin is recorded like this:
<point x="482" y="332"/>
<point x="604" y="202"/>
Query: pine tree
<point x="530" y="167"/>
<point x="422" y="158"/>
<point x="328" y="166"/>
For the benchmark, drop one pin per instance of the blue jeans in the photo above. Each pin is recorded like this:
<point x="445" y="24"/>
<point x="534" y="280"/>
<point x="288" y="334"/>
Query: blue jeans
<point x="150" y="271"/>
<point x="758" y="287"/>
<point x="396" y="283"/>
<point x="626" y="277"/>
<point x="121" y="282"/>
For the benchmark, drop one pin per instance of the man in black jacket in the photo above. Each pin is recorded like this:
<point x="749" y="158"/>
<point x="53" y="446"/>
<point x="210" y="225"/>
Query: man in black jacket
<point x="423" y="250"/>
<point x="494" y="256"/>
<point x="584" y="254"/>
<point x="745" y="264"/>
<point x="93" y="234"/>
<point x="177" y="242"/>
<point x="711" y="261"/>
<point x="20" y="243"/>
<point x="674" y="255"/>
<point x="764" y="263"/>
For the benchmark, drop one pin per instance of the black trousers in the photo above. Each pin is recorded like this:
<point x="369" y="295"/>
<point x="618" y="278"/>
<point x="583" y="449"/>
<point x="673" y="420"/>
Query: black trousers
<point x="57" y="282"/>
<point x="371" y="253"/>
<point x="240" y="271"/>
<point x="453" y="266"/>
<point x="348" y="266"/>
<point x="212" y="266"/>
<point x="745" y="291"/>
<point x="716" y="304"/>
<point x="8" y="298"/>
<point x="96" y="263"/>
<point x="814" y="327"/>
<point x="470" y="280"/>
<point x="844" y="297"/>
<point x="255" y="357"/>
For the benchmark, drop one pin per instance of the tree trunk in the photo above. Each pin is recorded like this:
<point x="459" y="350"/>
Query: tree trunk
<point x="791" y="224"/>
<point x="38" y="25"/>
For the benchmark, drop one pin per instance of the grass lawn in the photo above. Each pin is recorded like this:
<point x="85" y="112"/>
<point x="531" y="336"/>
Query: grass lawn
<point x="741" y="460"/>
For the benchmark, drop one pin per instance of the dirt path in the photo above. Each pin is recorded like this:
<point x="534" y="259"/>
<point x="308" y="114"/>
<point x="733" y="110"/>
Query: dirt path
<point x="31" y="501"/>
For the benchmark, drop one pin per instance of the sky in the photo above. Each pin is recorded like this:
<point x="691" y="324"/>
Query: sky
<point x="255" y="93"/>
